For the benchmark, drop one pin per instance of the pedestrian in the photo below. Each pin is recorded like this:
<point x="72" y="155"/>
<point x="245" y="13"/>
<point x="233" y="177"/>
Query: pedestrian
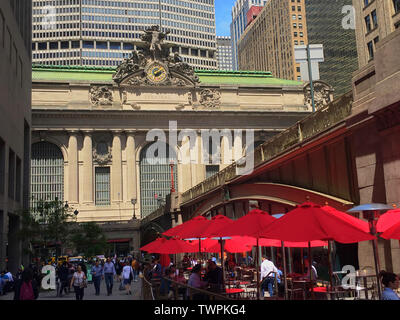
<point x="195" y="281"/>
<point x="127" y="275"/>
<point x="135" y="267"/>
<point x="26" y="288"/>
<point x="97" y="273"/>
<point x="79" y="282"/>
<point x="268" y="272"/>
<point x="214" y="277"/>
<point x="63" y="276"/>
<point x="391" y="283"/>
<point x="109" y="274"/>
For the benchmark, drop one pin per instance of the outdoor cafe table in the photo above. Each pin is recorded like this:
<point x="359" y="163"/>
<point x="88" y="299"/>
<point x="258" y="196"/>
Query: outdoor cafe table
<point x="232" y="292"/>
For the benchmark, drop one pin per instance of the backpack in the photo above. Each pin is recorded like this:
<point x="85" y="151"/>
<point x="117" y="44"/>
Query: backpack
<point x="26" y="291"/>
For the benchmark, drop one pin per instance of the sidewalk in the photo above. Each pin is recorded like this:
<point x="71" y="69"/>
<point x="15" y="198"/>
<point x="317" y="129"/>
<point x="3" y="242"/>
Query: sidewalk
<point x="136" y="289"/>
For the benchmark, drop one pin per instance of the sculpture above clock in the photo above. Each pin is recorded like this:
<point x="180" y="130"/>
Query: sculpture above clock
<point x="154" y="65"/>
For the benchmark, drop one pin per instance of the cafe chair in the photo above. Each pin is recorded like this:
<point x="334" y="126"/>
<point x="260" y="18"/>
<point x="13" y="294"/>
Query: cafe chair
<point x="295" y="292"/>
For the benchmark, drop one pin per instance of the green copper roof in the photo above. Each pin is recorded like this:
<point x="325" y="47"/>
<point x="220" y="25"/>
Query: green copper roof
<point x="104" y="74"/>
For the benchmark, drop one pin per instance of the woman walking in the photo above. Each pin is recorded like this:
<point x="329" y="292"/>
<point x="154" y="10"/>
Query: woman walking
<point x="127" y="276"/>
<point x="79" y="282"/>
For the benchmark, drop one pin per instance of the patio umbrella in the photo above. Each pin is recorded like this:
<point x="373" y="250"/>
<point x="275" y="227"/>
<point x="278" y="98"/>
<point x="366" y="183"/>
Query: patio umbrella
<point x="233" y="245"/>
<point x="193" y="228"/>
<point x="309" y="221"/>
<point x="250" y="225"/>
<point x="171" y="246"/>
<point x="388" y="220"/>
<point x="389" y="224"/>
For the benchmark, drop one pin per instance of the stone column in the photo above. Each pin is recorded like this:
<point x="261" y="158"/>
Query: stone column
<point x="116" y="169"/>
<point x="88" y="167"/>
<point x="73" y="188"/>
<point x="131" y="165"/>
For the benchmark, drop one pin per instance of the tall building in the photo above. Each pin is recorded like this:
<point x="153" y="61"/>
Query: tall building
<point x="15" y="125"/>
<point x="326" y="25"/>
<point x="239" y="23"/>
<point x="375" y="20"/>
<point x="268" y="43"/>
<point x="376" y="94"/>
<point x="224" y="53"/>
<point x="103" y="33"/>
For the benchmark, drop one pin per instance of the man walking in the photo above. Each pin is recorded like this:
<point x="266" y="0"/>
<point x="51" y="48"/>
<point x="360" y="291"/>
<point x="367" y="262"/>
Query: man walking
<point x="268" y="272"/>
<point x="63" y="276"/>
<point x="109" y="273"/>
<point x="97" y="273"/>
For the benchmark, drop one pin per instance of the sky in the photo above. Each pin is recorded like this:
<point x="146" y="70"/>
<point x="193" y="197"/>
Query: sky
<point x="223" y="16"/>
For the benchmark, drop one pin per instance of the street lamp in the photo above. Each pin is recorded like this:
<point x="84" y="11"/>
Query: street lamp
<point x="133" y="201"/>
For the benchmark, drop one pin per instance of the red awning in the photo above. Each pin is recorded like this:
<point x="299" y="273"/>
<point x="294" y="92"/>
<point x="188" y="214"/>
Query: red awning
<point x="118" y="240"/>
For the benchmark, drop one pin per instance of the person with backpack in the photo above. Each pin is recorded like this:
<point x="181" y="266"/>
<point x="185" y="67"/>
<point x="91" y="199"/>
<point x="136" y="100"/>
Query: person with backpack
<point x="26" y="288"/>
<point x="63" y="276"/>
<point x="127" y="275"/>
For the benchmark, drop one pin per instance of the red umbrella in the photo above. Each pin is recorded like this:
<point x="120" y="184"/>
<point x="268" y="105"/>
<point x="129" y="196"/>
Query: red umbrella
<point x="165" y="260"/>
<point x="393" y="232"/>
<point x="172" y="246"/>
<point x="388" y="220"/>
<point x="233" y="245"/>
<point x="308" y="222"/>
<point x="250" y="225"/>
<point x="193" y="228"/>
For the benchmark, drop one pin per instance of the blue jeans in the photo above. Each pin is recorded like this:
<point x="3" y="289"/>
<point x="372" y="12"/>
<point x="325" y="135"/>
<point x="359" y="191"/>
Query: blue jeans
<point x="96" y="282"/>
<point x="109" y="277"/>
<point x="268" y="283"/>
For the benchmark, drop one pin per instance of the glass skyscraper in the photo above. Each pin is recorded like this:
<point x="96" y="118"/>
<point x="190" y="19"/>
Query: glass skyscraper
<point x="103" y="33"/>
<point x="224" y="53"/>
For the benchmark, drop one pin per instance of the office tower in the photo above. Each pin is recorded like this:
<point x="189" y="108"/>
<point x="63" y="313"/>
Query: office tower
<point x="15" y="126"/>
<point x="375" y="20"/>
<point x="328" y="25"/>
<point x="103" y="33"/>
<point x="239" y="23"/>
<point x="268" y="42"/>
<point x="224" y="53"/>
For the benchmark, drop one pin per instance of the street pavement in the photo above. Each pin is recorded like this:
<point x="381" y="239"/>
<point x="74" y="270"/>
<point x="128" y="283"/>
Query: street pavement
<point x="136" y="288"/>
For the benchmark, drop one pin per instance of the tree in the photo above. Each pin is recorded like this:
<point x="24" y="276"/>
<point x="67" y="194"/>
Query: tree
<point x="90" y="239"/>
<point x="47" y="223"/>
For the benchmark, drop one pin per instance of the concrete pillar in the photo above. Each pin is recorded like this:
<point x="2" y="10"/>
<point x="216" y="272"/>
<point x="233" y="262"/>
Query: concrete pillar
<point x="116" y="169"/>
<point x="73" y="168"/>
<point x="131" y="167"/>
<point x="88" y="167"/>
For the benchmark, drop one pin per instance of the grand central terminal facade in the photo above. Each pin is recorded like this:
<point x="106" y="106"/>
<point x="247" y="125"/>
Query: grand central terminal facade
<point x="91" y="141"/>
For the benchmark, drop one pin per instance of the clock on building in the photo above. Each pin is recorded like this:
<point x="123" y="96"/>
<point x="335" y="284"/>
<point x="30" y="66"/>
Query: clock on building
<point x="156" y="73"/>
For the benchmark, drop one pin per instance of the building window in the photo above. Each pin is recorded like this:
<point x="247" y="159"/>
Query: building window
<point x="211" y="170"/>
<point x="102" y="186"/>
<point x="396" y="5"/>
<point x="368" y="23"/>
<point x="374" y="18"/>
<point x="47" y="173"/>
<point x="155" y="177"/>
<point x="11" y="174"/>
<point x="2" y="165"/>
<point x="370" y="50"/>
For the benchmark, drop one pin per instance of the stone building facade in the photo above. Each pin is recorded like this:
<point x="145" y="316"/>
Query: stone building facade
<point x="93" y="127"/>
<point x="15" y="126"/>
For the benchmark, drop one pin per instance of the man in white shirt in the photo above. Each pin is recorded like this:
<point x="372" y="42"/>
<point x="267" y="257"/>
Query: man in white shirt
<point x="268" y="272"/>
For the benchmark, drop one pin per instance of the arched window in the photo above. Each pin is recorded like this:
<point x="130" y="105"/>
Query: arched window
<point x="47" y="173"/>
<point x="155" y="178"/>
